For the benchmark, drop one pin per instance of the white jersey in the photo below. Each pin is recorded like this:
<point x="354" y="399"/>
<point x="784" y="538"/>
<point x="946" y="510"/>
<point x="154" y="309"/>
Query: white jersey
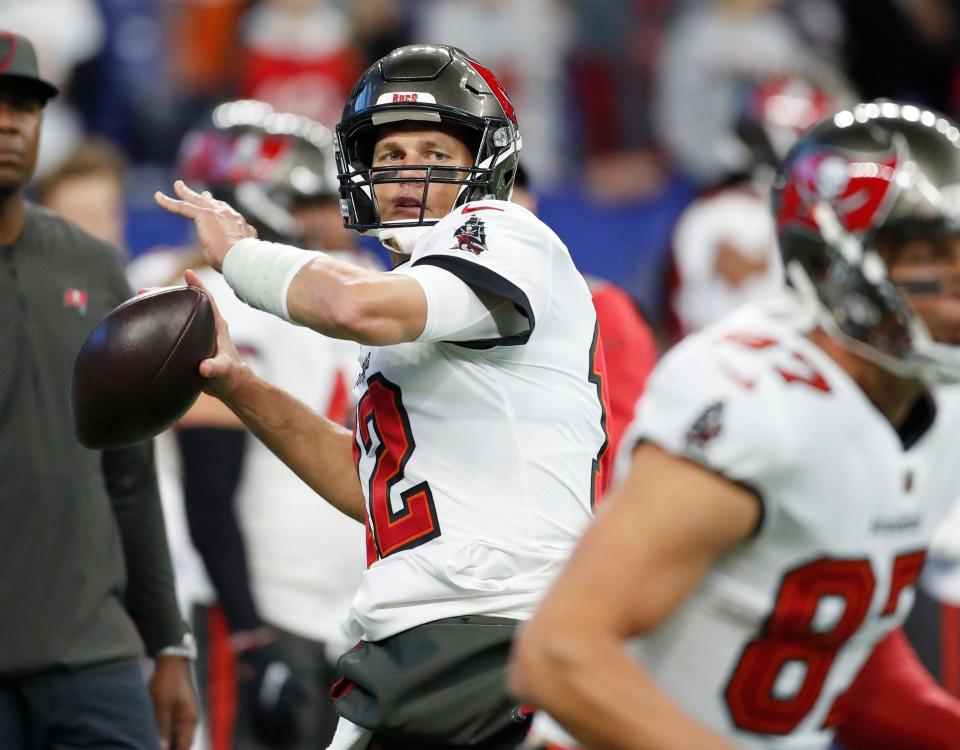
<point x="479" y="460"/>
<point x="735" y="217"/>
<point x="305" y="556"/>
<point x="764" y="649"/>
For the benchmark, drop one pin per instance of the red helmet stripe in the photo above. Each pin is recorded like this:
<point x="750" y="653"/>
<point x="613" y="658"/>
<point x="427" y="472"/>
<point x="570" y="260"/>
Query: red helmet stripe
<point x="497" y="88"/>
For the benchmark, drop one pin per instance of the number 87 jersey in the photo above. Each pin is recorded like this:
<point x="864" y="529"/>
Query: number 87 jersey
<point x="765" y="648"/>
<point x="480" y="459"/>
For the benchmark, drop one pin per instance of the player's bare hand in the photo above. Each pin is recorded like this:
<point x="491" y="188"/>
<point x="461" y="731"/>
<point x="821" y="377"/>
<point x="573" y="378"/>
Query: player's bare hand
<point x="219" y="225"/>
<point x="225" y="370"/>
<point x="174" y="702"/>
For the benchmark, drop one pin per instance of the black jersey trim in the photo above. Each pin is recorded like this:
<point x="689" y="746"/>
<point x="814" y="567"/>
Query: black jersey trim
<point x="481" y="277"/>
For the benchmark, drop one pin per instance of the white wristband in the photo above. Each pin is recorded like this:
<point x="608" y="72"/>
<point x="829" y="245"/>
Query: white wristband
<point x="260" y="273"/>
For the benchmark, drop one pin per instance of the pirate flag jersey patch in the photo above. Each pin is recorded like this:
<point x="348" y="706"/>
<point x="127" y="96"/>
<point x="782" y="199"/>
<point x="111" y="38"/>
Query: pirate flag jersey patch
<point x="707" y="426"/>
<point x="471" y="236"/>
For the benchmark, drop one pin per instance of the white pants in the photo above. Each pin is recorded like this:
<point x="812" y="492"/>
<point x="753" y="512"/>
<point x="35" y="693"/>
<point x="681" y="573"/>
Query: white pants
<point x="350" y="737"/>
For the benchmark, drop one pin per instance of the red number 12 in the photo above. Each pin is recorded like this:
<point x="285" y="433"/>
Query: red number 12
<point x="381" y="413"/>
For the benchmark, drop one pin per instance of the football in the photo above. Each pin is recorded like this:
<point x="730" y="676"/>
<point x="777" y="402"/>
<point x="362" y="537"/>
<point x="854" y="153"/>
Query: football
<point x="137" y="372"/>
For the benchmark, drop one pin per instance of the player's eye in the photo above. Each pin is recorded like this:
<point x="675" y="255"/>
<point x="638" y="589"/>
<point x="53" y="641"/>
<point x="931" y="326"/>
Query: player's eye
<point x="388" y="157"/>
<point x="437" y="156"/>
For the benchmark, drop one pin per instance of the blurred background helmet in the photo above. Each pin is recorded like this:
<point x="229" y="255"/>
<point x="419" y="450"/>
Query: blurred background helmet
<point x="872" y="176"/>
<point x="262" y="162"/>
<point x="773" y="112"/>
<point x="431" y="84"/>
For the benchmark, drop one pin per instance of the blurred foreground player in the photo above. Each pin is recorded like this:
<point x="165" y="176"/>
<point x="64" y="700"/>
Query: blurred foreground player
<point x="285" y="564"/>
<point x="789" y="468"/>
<point x="86" y="572"/>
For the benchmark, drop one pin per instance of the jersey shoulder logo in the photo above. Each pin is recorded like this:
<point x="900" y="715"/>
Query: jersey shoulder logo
<point x="706" y="427"/>
<point x="471" y="236"/>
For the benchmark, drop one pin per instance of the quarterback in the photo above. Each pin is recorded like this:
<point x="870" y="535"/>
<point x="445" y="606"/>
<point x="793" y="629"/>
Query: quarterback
<point x="480" y="437"/>
<point x="787" y="469"/>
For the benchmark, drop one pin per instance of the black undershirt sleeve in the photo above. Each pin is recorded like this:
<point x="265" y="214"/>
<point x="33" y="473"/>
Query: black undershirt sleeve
<point x="151" y="598"/>
<point x="212" y="461"/>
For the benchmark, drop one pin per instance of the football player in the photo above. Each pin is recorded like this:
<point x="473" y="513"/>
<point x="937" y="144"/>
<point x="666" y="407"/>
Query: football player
<point x="479" y="445"/>
<point x="284" y="566"/>
<point x="724" y="242"/>
<point x="786" y="472"/>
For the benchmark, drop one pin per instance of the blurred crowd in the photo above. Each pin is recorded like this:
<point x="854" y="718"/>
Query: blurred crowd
<point x="627" y="107"/>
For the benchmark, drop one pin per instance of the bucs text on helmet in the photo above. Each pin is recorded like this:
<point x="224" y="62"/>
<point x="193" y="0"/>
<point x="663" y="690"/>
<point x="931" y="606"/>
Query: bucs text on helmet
<point x="869" y="178"/>
<point x="432" y="84"/>
<point x="263" y="162"/>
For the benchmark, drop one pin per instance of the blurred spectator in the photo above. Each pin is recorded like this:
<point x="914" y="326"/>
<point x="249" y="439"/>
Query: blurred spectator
<point x="300" y="57"/>
<point x="709" y="50"/>
<point x="285" y="565"/>
<point x="905" y="49"/>
<point x="379" y="25"/>
<point x="724" y="246"/>
<point x="204" y="51"/>
<point x="65" y="32"/>
<point x="525" y="43"/>
<point x="614" y="54"/>
<point x="88" y="189"/>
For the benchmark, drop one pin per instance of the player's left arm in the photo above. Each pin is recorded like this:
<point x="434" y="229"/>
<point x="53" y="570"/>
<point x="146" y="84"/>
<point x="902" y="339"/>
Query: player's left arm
<point x="895" y="703"/>
<point x="650" y="546"/>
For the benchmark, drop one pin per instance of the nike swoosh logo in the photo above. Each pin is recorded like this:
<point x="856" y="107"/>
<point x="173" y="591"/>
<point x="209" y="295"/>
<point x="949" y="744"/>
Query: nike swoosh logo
<point x="472" y="209"/>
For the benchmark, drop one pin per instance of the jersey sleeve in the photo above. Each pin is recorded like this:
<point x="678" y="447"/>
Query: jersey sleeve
<point x="500" y="249"/>
<point x="699" y="406"/>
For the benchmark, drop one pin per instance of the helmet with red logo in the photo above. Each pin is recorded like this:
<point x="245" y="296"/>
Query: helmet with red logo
<point x="261" y="161"/>
<point x="773" y="112"/>
<point x="868" y="178"/>
<point x="433" y="84"/>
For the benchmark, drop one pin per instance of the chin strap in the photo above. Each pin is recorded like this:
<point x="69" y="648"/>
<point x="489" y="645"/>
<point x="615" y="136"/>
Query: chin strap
<point x="401" y="240"/>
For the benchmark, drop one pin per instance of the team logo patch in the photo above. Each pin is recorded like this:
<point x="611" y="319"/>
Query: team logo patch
<point x="77" y="299"/>
<point x="707" y="426"/>
<point x="471" y="236"/>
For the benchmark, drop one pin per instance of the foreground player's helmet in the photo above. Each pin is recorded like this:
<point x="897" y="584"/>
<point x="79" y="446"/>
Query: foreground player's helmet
<point x="775" y="111"/>
<point x="431" y="84"/>
<point x="873" y="176"/>
<point x="262" y="162"/>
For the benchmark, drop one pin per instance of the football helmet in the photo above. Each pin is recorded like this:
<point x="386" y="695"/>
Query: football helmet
<point x="773" y="112"/>
<point x="875" y="174"/>
<point x="433" y="84"/>
<point x="262" y="162"/>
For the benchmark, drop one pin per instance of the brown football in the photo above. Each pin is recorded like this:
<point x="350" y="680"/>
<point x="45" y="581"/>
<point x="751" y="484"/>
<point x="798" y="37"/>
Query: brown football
<point x="137" y="372"/>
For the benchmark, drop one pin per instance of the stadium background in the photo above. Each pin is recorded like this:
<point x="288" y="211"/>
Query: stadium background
<point x="604" y="88"/>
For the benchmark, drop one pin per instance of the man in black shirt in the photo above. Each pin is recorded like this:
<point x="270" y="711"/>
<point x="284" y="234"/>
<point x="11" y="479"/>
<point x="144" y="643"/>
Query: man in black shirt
<point x="86" y="580"/>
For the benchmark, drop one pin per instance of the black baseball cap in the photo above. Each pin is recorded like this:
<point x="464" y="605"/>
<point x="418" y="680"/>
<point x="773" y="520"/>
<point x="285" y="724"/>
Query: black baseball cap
<point x="18" y="62"/>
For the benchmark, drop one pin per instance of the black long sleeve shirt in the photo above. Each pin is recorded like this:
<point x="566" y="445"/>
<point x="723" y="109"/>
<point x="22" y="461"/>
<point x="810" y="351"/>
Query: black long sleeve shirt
<point x="84" y="564"/>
